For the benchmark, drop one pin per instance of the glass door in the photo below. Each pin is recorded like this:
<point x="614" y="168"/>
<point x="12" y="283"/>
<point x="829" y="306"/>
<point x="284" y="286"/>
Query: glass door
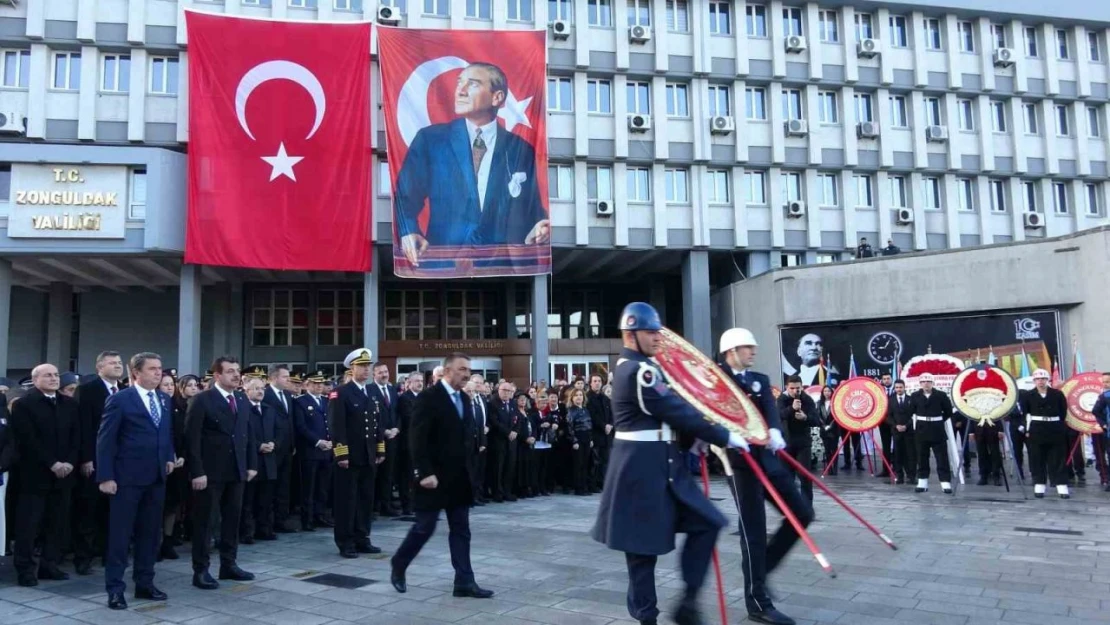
<point x="565" y="369"/>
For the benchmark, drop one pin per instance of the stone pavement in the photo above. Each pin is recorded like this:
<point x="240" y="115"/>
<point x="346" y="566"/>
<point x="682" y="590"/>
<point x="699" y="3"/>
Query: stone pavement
<point x="977" y="558"/>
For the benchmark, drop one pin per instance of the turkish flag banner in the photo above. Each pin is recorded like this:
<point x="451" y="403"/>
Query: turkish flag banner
<point x="279" y="144"/>
<point x="466" y="132"/>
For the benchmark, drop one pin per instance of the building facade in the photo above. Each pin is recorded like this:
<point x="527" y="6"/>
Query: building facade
<point x="692" y="143"/>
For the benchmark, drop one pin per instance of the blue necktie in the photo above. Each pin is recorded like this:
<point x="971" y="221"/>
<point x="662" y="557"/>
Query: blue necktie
<point x="458" y="403"/>
<point x="154" y="414"/>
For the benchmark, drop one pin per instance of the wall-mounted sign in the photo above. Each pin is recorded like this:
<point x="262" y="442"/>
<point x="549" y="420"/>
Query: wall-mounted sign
<point x="68" y="201"/>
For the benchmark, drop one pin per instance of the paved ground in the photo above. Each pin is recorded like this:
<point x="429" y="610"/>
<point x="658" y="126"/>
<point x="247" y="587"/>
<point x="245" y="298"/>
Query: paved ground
<point x="978" y="558"/>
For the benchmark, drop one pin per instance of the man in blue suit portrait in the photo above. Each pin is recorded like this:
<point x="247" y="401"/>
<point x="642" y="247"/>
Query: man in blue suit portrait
<point x="479" y="179"/>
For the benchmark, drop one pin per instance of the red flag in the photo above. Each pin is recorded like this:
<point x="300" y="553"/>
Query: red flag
<point x="279" y="145"/>
<point x="1056" y="379"/>
<point x="466" y="131"/>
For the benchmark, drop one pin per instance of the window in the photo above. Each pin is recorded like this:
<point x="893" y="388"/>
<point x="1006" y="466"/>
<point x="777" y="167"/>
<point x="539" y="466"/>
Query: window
<point x="829" y="25"/>
<point x="601" y="13"/>
<point x="560" y="95"/>
<point x="932" y="34"/>
<point x="966" y="33"/>
<point x="347" y="5"/>
<point x="137" y="207"/>
<point x="755" y="103"/>
<point x="899" y="116"/>
<point x="898" y="35"/>
<point x="115" y="73"/>
<point x="998" y="116"/>
<point x="965" y="189"/>
<point x="791" y="186"/>
<point x="830" y="194"/>
<point x="791" y="259"/>
<point x="825" y="259"/>
<point x="412" y="314"/>
<point x="639" y="97"/>
<point x="1093" y="129"/>
<point x="932" y="193"/>
<point x="482" y="9"/>
<point x="639" y="184"/>
<point x="639" y="12"/>
<point x="163" y="75"/>
<point x="560" y="182"/>
<point x="897" y="191"/>
<point x="826" y="107"/>
<point x="1062" y="127"/>
<point x="440" y="8"/>
<point x="720" y="18"/>
<point x="599" y="183"/>
<point x="302" y="4"/>
<point x="755" y="188"/>
<point x="384" y="186"/>
<point x="520" y="10"/>
<point x="1031" y="49"/>
<point x="932" y="111"/>
<point x="1029" y="194"/>
<point x="67" y="71"/>
<point x="863" y="191"/>
<point x="1031" y="125"/>
<point x="719" y="100"/>
<point x="757" y="20"/>
<point x="717" y="187"/>
<point x="560" y="10"/>
<point x="966" y="113"/>
<point x="792" y="21"/>
<point x="1062" y="44"/>
<point x="1094" y="51"/>
<point x="279" y="317"/>
<point x="16" y="67"/>
<point x="1094" y="197"/>
<point x="677" y="182"/>
<point x="339" y="316"/>
<point x="1060" y="197"/>
<point x="678" y="16"/>
<point x="998" y="31"/>
<point x="678" y="100"/>
<point x="865" y="110"/>
<point x="792" y="104"/>
<point x="865" y="28"/>
<point x="998" y="196"/>
<point x="599" y="96"/>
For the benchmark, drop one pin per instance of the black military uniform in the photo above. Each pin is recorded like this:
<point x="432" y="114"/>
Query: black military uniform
<point x="900" y="413"/>
<point x="988" y="436"/>
<point x="1046" y="436"/>
<point x="929" y="414"/>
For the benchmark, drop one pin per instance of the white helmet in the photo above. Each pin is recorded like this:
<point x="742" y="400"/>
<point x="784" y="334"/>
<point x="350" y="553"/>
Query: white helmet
<point x="736" y="337"/>
<point x="1041" y="373"/>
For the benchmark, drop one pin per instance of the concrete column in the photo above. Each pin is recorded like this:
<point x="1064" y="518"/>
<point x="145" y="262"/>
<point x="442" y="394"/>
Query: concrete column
<point x="188" y="322"/>
<point x="695" y="301"/>
<point x="370" y="286"/>
<point x="5" y="312"/>
<point x="657" y="297"/>
<point x="541" y="350"/>
<point x="59" y="325"/>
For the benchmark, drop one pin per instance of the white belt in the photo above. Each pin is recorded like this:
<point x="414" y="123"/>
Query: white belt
<point x="919" y="418"/>
<point x="647" y="436"/>
<point x="1033" y="418"/>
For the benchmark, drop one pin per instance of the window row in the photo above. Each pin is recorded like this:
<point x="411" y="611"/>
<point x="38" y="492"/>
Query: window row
<point x="115" y="72"/>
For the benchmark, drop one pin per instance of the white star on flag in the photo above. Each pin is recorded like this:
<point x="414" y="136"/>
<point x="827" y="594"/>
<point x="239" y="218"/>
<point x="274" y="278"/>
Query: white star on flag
<point x="282" y="164"/>
<point x="515" y="112"/>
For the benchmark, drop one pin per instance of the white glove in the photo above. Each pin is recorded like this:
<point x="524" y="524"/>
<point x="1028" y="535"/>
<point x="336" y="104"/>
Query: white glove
<point x="737" y="442"/>
<point x="699" y="448"/>
<point x="1021" y="428"/>
<point x="777" y="443"/>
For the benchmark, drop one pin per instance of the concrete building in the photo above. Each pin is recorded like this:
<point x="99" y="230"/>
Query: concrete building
<point x="692" y="143"/>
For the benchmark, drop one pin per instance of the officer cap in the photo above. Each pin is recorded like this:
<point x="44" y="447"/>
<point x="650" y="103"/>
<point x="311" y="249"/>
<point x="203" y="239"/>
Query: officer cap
<point x="640" y="316"/>
<point x="737" y="337"/>
<point x="296" y="377"/>
<point x="257" y="373"/>
<point x="360" y="356"/>
<point x="1041" y="373"/>
<point x="316" y="378"/>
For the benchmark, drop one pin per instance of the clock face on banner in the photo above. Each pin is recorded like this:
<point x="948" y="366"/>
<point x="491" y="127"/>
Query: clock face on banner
<point x="884" y="347"/>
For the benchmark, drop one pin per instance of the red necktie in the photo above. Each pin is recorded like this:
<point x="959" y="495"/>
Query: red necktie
<point x="231" y="402"/>
<point x="111" y="390"/>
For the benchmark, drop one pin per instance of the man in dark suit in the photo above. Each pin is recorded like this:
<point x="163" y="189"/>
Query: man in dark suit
<point x="406" y="404"/>
<point x="502" y="444"/>
<point x="885" y="437"/>
<point x="478" y="179"/>
<point x="386" y="396"/>
<point x="47" y="435"/>
<point x="90" y="518"/>
<point x="134" y="454"/>
<point x="601" y="416"/>
<point x="217" y="431"/>
<point x="442" y="441"/>
<point x="282" y="402"/>
<point x="257" y="519"/>
<point x="314" y="448"/>
<point x="475" y="389"/>
<point x="900" y="416"/>
<point x="798" y="413"/>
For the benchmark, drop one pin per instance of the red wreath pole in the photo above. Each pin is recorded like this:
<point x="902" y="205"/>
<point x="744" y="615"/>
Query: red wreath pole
<point x="1071" y="453"/>
<point x="836" y="456"/>
<point x="716" y="556"/>
<point x="864" y="438"/>
<point x="886" y="463"/>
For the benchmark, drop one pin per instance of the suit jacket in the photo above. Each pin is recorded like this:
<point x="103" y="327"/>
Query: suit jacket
<point x="900" y="415"/>
<point x="439" y="168"/>
<point x="218" y="440"/>
<point x="601" y="413"/>
<point x="312" y="427"/>
<point x="91" y="398"/>
<point x="45" y="433"/>
<point x="130" y="448"/>
<point x="285" y="419"/>
<point x="501" y="422"/>
<point x="406" y="406"/>
<point x="388" y="418"/>
<point x="442" y="445"/>
<point x="356" y="427"/>
<point x="264" y="429"/>
<point x="798" y="431"/>
<point x="481" y="409"/>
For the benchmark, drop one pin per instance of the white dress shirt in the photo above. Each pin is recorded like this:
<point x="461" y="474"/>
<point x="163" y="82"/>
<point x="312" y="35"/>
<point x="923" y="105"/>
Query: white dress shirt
<point x="489" y="136"/>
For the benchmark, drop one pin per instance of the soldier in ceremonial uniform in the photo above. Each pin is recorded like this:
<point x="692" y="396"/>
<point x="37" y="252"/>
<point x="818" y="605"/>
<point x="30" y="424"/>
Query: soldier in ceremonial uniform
<point x="650" y="494"/>
<point x="738" y="348"/>
<point x="1045" y="410"/>
<point x="931" y="408"/>
<point x="359" y="446"/>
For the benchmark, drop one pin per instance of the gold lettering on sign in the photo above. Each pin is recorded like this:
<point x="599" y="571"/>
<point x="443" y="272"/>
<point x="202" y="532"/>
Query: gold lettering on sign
<point x="66" y="198"/>
<point x="65" y="221"/>
<point x="441" y="346"/>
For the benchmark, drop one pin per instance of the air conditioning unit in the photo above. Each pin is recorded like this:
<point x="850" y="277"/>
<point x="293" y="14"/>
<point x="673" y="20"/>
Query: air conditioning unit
<point x="604" y="208"/>
<point x="721" y="124"/>
<point x="12" y="123"/>
<point x="390" y="16"/>
<point x="905" y="216"/>
<point x="867" y="130"/>
<point x="797" y="128"/>
<point x="795" y="209"/>
<point x="1033" y="220"/>
<point x="936" y="134"/>
<point x="795" y="43"/>
<point x="560" y="29"/>
<point x="867" y="48"/>
<point x="1003" y="57"/>
<point x="638" y="122"/>
<point x="639" y="34"/>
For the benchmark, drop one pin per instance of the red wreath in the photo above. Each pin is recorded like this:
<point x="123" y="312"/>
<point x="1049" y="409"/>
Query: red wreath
<point x="934" y="366"/>
<point x="992" y="380"/>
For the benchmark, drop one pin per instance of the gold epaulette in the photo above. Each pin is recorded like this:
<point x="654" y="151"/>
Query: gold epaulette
<point x="340" y="450"/>
<point x="381" y="447"/>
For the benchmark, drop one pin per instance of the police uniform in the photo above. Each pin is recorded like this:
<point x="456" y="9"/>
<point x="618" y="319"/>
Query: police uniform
<point x="929" y="433"/>
<point x="1046" y="436"/>
<point x="316" y="469"/>
<point x="359" y="440"/>
<point x="650" y="494"/>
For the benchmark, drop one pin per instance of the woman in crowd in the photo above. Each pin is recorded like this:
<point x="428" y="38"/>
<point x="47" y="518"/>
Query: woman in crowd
<point x="830" y="431"/>
<point x="580" y="424"/>
<point x="547" y="432"/>
<point x="525" y="464"/>
<point x="177" y="486"/>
